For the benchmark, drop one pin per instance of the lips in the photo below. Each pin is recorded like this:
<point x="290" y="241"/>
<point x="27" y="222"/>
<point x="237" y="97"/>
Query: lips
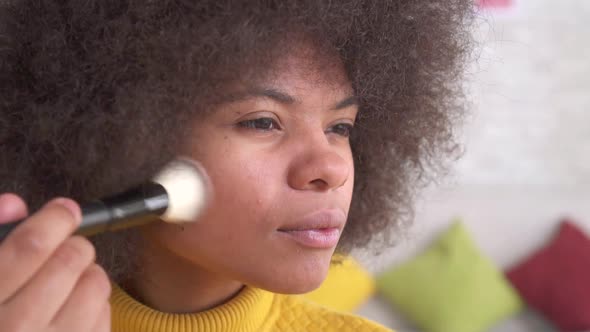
<point x="326" y="218"/>
<point x="320" y="229"/>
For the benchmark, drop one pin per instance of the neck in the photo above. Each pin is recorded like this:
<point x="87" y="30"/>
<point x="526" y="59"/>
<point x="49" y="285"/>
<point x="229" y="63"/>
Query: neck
<point x="170" y="283"/>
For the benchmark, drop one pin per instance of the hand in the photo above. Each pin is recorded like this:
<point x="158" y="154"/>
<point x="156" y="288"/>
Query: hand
<point x="48" y="279"/>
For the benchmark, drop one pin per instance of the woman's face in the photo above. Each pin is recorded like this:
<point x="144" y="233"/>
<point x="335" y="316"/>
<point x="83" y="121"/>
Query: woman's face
<point x="280" y="162"/>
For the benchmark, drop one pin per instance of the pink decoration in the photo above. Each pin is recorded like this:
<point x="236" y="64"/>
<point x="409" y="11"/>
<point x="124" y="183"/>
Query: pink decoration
<point x="494" y="3"/>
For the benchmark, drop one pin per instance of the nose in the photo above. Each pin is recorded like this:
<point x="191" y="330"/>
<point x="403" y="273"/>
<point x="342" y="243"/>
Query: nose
<point x="319" y="167"/>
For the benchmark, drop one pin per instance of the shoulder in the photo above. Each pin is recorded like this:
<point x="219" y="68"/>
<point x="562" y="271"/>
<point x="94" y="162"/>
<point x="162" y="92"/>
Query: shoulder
<point x="300" y="314"/>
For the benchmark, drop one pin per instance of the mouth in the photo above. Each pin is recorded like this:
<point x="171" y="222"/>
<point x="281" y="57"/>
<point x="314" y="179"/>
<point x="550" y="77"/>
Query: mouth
<point x="320" y="230"/>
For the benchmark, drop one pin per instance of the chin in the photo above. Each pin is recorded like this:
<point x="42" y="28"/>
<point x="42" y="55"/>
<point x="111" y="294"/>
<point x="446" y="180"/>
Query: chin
<point x="298" y="278"/>
<point x="296" y="286"/>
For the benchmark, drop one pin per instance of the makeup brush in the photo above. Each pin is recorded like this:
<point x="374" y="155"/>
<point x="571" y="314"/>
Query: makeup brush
<point x="177" y="194"/>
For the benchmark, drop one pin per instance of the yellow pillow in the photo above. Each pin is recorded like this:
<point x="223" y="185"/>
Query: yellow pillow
<point x="347" y="286"/>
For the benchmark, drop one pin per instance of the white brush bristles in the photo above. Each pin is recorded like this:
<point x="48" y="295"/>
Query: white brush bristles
<point x="187" y="186"/>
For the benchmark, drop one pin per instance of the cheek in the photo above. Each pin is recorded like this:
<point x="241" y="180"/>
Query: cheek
<point x="348" y="187"/>
<point x="245" y="187"/>
<point x="241" y="212"/>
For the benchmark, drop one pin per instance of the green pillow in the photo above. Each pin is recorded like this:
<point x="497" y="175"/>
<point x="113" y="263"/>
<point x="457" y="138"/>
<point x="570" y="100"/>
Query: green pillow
<point x="450" y="287"/>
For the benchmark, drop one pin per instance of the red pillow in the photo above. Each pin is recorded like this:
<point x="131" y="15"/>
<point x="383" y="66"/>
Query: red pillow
<point x="556" y="279"/>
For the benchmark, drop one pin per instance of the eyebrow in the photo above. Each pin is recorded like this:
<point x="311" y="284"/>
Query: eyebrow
<point x="350" y="101"/>
<point x="256" y="92"/>
<point x="281" y="97"/>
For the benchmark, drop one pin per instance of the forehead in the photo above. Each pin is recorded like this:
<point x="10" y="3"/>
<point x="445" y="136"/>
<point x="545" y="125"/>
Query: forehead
<point x="303" y="74"/>
<point x="297" y="75"/>
<point x="306" y="68"/>
<point x="294" y="86"/>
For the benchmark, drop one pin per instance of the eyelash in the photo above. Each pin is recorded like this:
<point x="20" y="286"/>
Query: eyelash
<point x="252" y="124"/>
<point x="268" y="124"/>
<point x="344" y="128"/>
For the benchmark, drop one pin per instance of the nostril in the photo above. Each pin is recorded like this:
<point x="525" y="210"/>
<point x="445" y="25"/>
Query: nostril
<point x="319" y="184"/>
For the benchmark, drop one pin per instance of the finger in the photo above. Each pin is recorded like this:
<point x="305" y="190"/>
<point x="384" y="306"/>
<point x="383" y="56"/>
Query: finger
<point x="12" y="208"/>
<point x="27" y="248"/>
<point x="87" y="300"/>
<point x="40" y="299"/>
<point x="103" y="324"/>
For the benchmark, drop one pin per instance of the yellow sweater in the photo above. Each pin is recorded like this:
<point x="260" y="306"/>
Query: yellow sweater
<point x="252" y="310"/>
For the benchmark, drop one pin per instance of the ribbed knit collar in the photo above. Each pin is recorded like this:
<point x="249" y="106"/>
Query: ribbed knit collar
<point x="249" y="311"/>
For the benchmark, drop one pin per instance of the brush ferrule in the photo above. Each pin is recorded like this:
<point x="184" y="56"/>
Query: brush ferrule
<point x="127" y="209"/>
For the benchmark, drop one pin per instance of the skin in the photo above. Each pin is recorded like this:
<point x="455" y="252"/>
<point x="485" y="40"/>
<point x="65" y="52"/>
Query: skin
<point x="275" y="154"/>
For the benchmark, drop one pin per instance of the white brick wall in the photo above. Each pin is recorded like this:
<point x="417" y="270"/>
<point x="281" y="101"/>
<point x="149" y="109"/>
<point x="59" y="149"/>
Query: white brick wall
<point x="531" y="86"/>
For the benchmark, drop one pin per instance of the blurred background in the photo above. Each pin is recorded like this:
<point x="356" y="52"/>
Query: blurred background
<point x="527" y="148"/>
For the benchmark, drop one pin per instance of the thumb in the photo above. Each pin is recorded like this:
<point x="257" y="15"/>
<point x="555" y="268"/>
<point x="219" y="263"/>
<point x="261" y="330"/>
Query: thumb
<point x="12" y="208"/>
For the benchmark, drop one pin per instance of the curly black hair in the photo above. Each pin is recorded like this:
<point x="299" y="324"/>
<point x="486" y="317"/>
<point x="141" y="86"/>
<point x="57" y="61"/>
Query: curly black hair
<point x="95" y="95"/>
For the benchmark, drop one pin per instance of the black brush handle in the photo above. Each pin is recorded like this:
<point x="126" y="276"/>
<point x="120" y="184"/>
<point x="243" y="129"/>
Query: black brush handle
<point x="131" y="208"/>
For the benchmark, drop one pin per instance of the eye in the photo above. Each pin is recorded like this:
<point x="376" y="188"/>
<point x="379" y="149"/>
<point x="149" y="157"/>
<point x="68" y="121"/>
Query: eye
<point x="342" y="129"/>
<point x="265" y="124"/>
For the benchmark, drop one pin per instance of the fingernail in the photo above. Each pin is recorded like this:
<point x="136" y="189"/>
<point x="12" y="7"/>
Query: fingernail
<point x="69" y="204"/>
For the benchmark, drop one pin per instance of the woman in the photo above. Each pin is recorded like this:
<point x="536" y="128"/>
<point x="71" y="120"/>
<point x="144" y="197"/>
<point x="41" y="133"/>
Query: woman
<point x="306" y="115"/>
